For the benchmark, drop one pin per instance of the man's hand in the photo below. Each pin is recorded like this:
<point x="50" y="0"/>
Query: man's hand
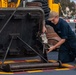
<point x="44" y="29"/>
<point x="50" y="49"/>
<point x="57" y="45"/>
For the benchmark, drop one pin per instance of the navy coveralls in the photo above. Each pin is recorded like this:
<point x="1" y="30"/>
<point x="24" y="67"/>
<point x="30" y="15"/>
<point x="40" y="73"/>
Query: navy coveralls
<point x="67" y="51"/>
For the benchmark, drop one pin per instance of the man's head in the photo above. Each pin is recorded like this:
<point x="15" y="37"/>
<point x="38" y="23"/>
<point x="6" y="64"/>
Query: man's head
<point x="54" y="17"/>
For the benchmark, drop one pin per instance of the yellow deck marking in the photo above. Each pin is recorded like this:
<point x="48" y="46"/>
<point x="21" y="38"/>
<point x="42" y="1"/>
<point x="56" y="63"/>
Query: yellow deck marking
<point x="6" y="73"/>
<point x="6" y="62"/>
<point x="67" y="65"/>
<point x="32" y="60"/>
<point x="52" y="61"/>
<point x="62" y="69"/>
<point x="35" y="71"/>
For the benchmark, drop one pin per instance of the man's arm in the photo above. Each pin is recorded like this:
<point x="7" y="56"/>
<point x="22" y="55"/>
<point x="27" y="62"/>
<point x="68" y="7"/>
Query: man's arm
<point x="47" y="22"/>
<point x="57" y="45"/>
<point x="44" y="27"/>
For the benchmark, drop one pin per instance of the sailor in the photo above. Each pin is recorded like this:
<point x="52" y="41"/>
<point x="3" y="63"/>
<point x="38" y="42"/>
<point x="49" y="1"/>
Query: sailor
<point x="67" y="50"/>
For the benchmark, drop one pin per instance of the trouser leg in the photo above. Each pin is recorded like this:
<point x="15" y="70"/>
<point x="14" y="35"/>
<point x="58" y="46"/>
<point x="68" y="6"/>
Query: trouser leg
<point x="64" y="54"/>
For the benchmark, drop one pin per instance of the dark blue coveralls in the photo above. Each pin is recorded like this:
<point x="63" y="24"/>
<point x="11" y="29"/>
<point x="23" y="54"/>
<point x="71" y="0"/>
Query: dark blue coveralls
<point x="67" y="51"/>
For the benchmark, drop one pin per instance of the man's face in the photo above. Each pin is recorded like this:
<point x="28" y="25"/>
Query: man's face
<point x="54" y="20"/>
